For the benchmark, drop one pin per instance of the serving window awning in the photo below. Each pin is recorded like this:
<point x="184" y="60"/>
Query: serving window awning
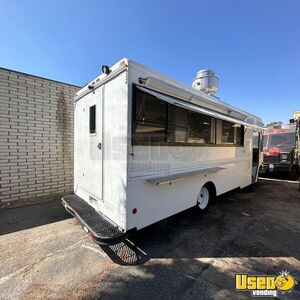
<point x="193" y="107"/>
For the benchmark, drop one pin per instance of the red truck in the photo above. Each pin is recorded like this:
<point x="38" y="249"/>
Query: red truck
<point x="282" y="150"/>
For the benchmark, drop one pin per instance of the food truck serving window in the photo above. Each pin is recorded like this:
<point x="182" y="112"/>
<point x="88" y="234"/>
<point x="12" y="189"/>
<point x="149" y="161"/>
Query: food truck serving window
<point x="157" y="122"/>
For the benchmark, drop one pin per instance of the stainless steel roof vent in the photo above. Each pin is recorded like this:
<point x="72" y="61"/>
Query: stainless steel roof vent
<point x="206" y="81"/>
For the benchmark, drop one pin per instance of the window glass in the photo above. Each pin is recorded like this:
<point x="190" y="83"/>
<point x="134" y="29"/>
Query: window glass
<point x="149" y="132"/>
<point x="177" y="124"/>
<point x="157" y="121"/>
<point x="255" y="140"/>
<point x="177" y="116"/>
<point x="177" y="134"/>
<point x="239" y="131"/>
<point x="150" y="119"/>
<point x="150" y="109"/>
<point x="265" y="140"/>
<point x="200" y="128"/>
<point x="227" y="132"/>
<point x="282" y="140"/>
<point x="93" y="119"/>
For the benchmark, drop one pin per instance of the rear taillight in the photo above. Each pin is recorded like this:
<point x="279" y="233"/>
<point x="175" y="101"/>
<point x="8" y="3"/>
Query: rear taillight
<point x="272" y="151"/>
<point x="90" y="234"/>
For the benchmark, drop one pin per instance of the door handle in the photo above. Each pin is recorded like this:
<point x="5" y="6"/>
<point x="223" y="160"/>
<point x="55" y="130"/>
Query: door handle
<point x="99" y="146"/>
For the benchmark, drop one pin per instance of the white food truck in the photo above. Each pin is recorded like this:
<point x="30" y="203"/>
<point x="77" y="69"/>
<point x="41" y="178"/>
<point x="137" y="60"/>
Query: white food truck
<point x="147" y="147"/>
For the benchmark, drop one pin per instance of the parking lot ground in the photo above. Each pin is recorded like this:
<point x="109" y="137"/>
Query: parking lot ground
<point x="44" y="254"/>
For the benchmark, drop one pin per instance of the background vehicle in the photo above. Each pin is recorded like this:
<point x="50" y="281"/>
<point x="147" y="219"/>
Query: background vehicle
<point x="281" y="149"/>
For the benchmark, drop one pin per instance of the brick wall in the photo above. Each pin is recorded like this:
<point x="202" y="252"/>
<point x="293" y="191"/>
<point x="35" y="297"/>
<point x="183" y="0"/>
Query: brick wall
<point x="36" y="137"/>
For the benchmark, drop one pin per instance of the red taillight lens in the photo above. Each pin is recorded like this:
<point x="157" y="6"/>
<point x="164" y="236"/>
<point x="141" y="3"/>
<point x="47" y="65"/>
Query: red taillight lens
<point x="90" y="234"/>
<point x="272" y="151"/>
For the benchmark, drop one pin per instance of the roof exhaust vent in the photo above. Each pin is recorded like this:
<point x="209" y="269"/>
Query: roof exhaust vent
<point x="206" y="81"/>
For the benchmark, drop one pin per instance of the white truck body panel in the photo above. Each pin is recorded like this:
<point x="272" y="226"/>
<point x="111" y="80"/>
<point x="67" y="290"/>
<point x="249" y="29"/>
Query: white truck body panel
<point x="104" y="178"/>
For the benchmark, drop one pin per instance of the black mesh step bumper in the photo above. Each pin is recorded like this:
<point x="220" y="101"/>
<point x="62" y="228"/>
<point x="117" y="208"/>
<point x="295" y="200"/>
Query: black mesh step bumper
<point x="97" y="226"/>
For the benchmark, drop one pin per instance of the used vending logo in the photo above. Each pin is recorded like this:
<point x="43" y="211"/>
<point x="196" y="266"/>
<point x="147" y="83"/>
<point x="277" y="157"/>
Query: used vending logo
<point x="263" y="285"/>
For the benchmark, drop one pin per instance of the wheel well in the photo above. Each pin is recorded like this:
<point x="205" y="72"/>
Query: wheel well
<point x="211" y="186"/>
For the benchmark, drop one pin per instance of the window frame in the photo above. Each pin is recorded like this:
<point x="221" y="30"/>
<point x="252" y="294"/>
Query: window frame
<point x="134" y="123"/>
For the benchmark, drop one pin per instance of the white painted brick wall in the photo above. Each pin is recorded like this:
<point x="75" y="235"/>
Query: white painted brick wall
<point x="36" y="137"/>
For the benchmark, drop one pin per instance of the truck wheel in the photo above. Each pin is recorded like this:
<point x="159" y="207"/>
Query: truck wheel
<point x="205" y="197"/>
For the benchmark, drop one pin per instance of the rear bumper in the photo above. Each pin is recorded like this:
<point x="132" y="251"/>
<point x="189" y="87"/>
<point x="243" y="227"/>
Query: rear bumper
<point x="98" y="227"/>
<point x="277" y="167"/>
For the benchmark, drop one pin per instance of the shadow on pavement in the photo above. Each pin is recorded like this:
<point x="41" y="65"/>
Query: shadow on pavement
<point x="20" y="218"/>
<point x="189" y="278"/>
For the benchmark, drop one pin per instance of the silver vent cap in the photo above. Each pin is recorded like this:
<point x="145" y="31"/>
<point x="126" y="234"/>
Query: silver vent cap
<point x="206" y="81"/>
